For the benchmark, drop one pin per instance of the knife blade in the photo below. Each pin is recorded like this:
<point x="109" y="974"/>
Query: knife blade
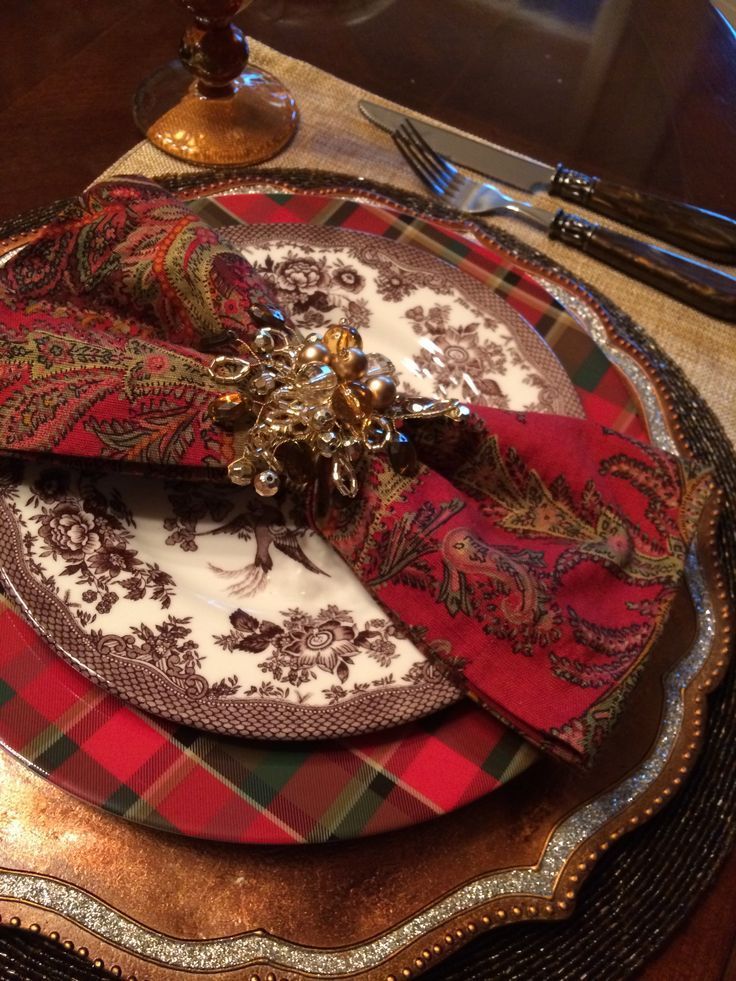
<point x="705" y="233"/>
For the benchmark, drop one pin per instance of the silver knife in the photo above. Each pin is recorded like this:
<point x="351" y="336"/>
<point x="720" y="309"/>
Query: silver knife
<point x="705" y="233"/>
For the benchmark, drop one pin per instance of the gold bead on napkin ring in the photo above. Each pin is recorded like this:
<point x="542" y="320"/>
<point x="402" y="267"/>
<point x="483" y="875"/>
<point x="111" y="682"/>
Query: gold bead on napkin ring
<point x="315" y="401"/>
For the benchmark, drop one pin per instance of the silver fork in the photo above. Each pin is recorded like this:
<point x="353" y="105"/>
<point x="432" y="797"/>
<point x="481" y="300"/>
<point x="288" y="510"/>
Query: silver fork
<point x="699" y="285"/>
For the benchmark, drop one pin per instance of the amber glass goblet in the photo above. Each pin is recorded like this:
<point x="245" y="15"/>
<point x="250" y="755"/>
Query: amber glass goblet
<point x="212" y="107"/>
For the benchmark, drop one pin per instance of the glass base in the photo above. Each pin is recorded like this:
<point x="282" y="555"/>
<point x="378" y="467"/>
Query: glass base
<point x="247" y="126"/>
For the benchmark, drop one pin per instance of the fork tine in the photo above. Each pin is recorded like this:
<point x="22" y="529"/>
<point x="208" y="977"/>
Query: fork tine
<point x="436" y="175"/>
<point x="436" y="160"/>
<point x="417" y="162"/>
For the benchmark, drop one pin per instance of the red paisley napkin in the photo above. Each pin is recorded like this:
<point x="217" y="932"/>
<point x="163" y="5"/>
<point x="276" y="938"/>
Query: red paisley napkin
<point x="537" y="556"/>
<point x="134" y="251"/>
<point x="103" y="320"/>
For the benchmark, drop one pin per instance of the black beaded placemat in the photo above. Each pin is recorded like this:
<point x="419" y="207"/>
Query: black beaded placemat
<point x="637" y="896"/>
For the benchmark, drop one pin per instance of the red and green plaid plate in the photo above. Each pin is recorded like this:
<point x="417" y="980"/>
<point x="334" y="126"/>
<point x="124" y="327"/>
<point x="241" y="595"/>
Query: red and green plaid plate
<point x="184" y="780"/>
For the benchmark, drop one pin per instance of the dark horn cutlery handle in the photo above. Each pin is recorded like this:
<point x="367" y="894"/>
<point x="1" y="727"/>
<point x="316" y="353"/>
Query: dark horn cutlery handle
<point x="703" y="232"/>
<point x="691" y="282"/>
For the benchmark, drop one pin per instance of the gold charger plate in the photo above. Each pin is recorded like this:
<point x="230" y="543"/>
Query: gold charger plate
<point x="389" y="907"/>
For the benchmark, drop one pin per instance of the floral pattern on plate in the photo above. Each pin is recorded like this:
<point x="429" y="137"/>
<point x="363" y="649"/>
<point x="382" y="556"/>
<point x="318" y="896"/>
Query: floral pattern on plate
<point x="212" y="607"/>
<point x="173" y="580"/>
<point x="451" y="335"/>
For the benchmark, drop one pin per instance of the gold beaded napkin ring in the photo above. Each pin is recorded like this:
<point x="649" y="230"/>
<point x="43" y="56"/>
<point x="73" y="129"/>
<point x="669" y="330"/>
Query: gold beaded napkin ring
<point x="314" y="404"/>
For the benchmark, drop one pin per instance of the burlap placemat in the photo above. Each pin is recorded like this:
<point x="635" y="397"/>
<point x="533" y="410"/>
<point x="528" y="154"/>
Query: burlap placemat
<point x="333" y="135"/>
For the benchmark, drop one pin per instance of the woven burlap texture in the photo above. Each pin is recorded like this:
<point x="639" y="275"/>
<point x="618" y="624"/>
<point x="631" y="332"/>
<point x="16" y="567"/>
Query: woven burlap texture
<point x="334" y="136"/>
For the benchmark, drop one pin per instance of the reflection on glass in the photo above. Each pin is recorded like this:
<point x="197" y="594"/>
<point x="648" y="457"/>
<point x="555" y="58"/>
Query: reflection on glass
<point x="346" y="12"/>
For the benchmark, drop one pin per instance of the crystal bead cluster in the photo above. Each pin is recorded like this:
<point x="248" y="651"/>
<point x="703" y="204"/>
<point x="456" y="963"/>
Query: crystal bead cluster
<point x="314" y="404"/>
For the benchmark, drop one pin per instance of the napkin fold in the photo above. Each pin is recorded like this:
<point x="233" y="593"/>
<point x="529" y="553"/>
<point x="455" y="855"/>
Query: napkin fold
<point x="134" y="251"/>
<point x="537" y="556"/>
<point x="109" y="318"/>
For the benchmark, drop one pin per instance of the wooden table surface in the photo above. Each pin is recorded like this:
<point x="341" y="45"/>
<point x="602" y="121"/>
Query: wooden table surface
<point x="640" y="91"/>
